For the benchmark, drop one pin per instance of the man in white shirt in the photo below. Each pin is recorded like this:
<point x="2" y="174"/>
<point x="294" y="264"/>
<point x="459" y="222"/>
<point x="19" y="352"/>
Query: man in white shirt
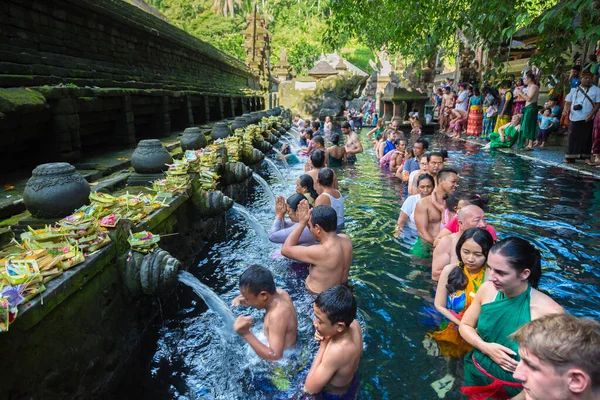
<point x="581" y="105"/>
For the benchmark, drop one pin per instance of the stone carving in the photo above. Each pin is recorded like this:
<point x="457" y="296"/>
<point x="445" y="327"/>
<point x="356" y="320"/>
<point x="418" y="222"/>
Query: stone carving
<point x="192" y="139"/>
<point x="150" y="157"/>
<point x="220" y="130"/>
<point x="239" y="123"/>
<point x="152" y="274"/>
<point x="235" y="172"/>
<point x="211" y="203"/>
<point x="55" y="190"/>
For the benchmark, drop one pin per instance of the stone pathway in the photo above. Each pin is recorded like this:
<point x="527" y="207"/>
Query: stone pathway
<point x="549" y="155"/>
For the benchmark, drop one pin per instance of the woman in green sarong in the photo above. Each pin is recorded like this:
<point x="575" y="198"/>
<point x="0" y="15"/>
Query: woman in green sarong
<point x="507" y="134"/>
<point x="529" y="126"/>
<point x="504" y="303"/>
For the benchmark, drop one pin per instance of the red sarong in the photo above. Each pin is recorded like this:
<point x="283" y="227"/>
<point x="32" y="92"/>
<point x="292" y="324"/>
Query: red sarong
<point x="493" y="391"/>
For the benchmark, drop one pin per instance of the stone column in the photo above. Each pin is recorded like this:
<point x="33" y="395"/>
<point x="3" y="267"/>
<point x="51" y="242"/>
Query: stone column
<point x="232" y="105"/>
<point x="124" y="126"/>
<point x="207" y="108"/>
<point x="184" y="117"/>
<point x="245" y="105"/>
<point x="65" y="128"/>
<point x="221" y="107"/>
<point x="161" y="120"/>
<point x="387" y="110"/>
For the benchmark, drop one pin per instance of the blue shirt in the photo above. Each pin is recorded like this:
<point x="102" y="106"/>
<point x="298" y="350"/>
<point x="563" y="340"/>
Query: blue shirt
<point x="389" y="146"/>
<point x="411" y="165"/>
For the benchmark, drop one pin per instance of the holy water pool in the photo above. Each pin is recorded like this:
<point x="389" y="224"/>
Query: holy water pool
<point x="189" y="355"/>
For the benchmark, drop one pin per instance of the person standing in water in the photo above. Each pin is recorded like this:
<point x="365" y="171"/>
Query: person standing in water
<point x="329" y="261"/>
<point x="333" y="374"/>
<point x="506" y="301"/>
<point x="428" y="216"/>
<point x="280" y="325"/>
<point x="353" y="145"/>
<point x="336" y="154"/>
<point x="330" y="196"/>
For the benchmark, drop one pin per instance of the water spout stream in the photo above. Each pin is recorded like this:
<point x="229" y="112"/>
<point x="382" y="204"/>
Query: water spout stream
<point x="212" y="300"/>
<point x="265" y="187"/>
<point x="258" y="228"/>
<point x="275" y="169"/>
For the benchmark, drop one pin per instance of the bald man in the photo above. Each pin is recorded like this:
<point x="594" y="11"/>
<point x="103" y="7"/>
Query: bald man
<point x="445" y="252"/>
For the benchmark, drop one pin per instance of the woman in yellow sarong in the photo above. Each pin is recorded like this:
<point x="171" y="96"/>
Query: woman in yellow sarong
<point x="457" y="287"/>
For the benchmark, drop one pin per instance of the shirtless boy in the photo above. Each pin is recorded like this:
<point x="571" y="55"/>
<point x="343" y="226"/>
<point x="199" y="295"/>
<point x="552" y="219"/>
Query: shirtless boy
<point x="353" y="145"/>
<point x="428" y="213"/>
<point x="333" y="373"/>
<point x="329" y="261"/>
<point x="281" y="324"/>
<point x="445" y="252"/>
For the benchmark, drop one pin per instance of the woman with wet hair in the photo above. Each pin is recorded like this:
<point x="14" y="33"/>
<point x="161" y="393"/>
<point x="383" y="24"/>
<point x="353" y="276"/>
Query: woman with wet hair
<point x="506" y="301"/>
<point x="306" y="187"/>
<point x="457" y="286"/>
<point x="425" y="185"/>
<point x="336" y="153"/>
<point x="282" y="227"/>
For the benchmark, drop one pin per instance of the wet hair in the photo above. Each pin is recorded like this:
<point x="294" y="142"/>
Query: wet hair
<point x="338" y="304"/>
<point x="398" y="141"/>
<point x="457" y="280"/>
<point x="335" y="138"/>
<point x="256" y="279"/>
<point x="476" y="91"/>
<point x="426" y="176"/>
<point x="307" y="182"/>
<point x="531" y="76"/>
<point x="434" y="154"/>
<point x="325" y="217"/>
<point x="294" y="200"/>
<point x="444" y="152"/>
<point x="319" y="139"/>
<point x="452" y="200"/>
<point x="475" y="200"/>
<point x="521" y="255"/>
<point x="346" y="125"/>
<point x="444" y="173"/>
<point x="316" y="126"/>
<point x="325" y="177"/>
<point x="317" y="157"/>
<point x="424" y="142"/>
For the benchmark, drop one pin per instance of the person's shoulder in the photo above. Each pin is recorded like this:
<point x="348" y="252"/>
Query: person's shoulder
<point x="448" y="268"/>
<point x="545" y="303"/>
<point x="446" y="241"/>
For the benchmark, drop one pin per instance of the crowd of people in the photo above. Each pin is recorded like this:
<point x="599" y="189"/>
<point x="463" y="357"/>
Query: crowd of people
<point x="486" y="294"/>
<point x="510" y="113"/>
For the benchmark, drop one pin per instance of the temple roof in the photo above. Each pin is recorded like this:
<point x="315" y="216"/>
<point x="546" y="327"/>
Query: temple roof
<point x="322" y="68"/>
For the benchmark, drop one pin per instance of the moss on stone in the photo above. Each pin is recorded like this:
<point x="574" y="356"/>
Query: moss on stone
<point x="20" y="100"/>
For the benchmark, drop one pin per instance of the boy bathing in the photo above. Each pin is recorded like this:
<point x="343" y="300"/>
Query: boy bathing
<point x="281" y="324"/>
<point x="333" y="373"/>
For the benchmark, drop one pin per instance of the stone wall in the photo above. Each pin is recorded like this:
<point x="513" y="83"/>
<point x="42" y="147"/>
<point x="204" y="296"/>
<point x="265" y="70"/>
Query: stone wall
<point x="78" y="76"/>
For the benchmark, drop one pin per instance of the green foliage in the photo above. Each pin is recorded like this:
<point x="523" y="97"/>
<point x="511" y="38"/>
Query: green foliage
<point x="418" y="29"/>
<point x="302" y="55"/>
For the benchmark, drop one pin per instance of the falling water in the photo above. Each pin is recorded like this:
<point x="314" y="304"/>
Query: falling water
<point x="212" y="300"/>
<point x="275" y="169"/>
<point x="258" y="228"/>
<point x="293" y="144"/>
<point x="280" y="154"/>
<point x="265" y="187"/>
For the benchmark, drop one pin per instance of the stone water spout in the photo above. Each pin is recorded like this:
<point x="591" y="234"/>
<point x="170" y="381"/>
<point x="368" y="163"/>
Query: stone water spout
<point x="254" y="157"/>
<point x="152" y="274"/>
<point x="210" y="203"/>
<point x="235" y="173"/>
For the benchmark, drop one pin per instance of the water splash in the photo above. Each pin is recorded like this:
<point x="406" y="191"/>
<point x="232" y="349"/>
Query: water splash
<point x="258" y="228"/>
<point x="212" y="300"/>
<point x="283" y="160"/>
<point x="293" y="144"/>
<point x="275" y="169"/>
<point x="265" y="187"/>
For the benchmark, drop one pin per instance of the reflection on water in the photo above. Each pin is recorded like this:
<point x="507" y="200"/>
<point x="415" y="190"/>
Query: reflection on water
<point x="188" y="357"/>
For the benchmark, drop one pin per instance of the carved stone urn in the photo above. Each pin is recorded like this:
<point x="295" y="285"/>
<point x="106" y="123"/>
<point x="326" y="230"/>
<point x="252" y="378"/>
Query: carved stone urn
<point x="150" y="157"/>
<point x="55" y="190"/>
<point x="239" y="123"/>
<point x="248" y="118"/>
<point x="220" y="130"/>
<point x="255" y="116"/>
<point x="262" y="114"/>
<point x="192" y="139"/>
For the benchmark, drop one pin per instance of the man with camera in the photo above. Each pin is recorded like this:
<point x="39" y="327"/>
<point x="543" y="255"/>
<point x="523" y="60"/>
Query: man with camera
<point x="581" y="106"/>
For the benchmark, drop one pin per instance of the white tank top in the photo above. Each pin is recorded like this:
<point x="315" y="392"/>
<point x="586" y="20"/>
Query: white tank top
<point x="338" y="206"/>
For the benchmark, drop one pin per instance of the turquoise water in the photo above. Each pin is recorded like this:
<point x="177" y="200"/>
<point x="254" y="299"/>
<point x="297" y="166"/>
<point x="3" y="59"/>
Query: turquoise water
<point x="189" y="354"/>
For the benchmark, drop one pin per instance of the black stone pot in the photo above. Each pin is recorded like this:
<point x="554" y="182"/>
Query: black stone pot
<point x="220" y="130"/>
<point x="192" y="139"/>
<point x="248" y="118"/>
<point x="55" y="190"/>
<point x="255" y="117"/>
<point x="239" y="123"/>
<point x="150" y="157"/>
